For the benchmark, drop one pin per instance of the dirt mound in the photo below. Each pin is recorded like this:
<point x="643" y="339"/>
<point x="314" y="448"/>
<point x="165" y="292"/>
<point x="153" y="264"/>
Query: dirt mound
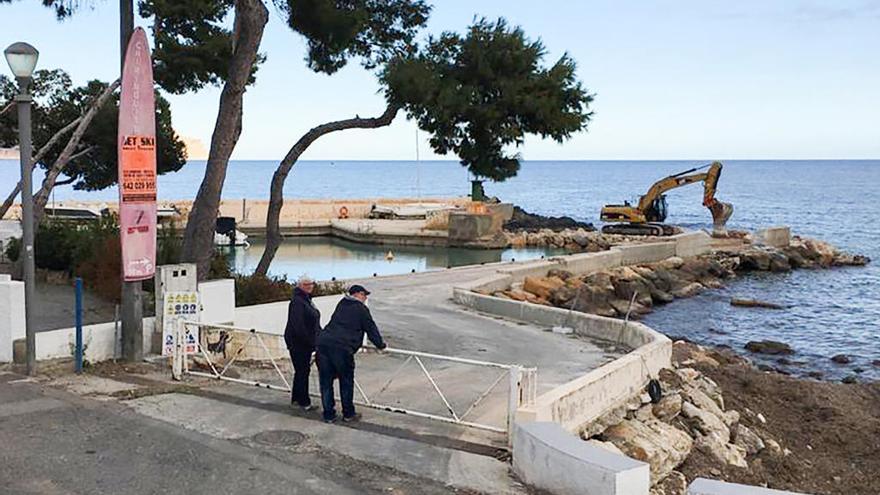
<point x="829" y="433"/>
<point x="523" y="220"/>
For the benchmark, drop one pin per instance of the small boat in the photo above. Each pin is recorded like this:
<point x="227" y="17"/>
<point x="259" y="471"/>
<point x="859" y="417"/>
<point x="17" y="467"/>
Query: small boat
<point x="389" y="256"/>
<point x="223" y="240"/>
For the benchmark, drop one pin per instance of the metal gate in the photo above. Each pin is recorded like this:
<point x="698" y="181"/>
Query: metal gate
<point x="258" y="347"/>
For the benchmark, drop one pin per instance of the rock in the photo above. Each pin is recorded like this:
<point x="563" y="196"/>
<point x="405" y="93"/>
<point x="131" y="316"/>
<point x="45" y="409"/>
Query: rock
<point x="688" y="374"/>
<point x="755" y="260"/>
<point x="753" y="303"/>
<point x="668" y="408"/>
<point x="560" y="274"/>
<point x="851" y="379"/>
<point x="773" y="447"/>
<point x="674" y="483"/>
<point x="697" y="397"/>
<point x="769" y="347"/>
<point x="612" y="417"/>
<point x="876" y="363"/>
<point x="726" y="453"/>
<point x="705" y="422"/>
<point x="841" y="359"/>
<point x="610" y="447"/>
<point x="779" y="262"/>
<point x="594" y="300"/>
<point x="542" y="287"/>
<point x="815" y="374"/>
<point x="730" y="418"/>
<point x="689" y="290"/>
<point x="662" y="446"/>
<point x="622" y="307"/>
<point x="673" y="263"/>
<point x="516" y="295"/>
<point x="644" y="413"/>
<point x="748" y="440"/>
<point x="670" y="379"/>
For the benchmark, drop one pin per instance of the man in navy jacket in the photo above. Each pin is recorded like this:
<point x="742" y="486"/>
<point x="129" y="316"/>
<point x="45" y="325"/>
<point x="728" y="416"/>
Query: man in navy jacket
<point x="337" y="345"/>
<point x="303" y="325"/>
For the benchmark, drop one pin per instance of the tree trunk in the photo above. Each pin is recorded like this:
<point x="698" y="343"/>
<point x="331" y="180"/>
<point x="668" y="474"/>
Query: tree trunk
<point x="40" y="154"/>
<point x="42" y="196"/>
<point x="276" y="192"/>
<point x="198" y="241"/>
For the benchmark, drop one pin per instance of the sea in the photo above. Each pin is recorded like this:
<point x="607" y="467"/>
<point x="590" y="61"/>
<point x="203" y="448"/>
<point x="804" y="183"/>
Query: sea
<point x="834" y="311"/>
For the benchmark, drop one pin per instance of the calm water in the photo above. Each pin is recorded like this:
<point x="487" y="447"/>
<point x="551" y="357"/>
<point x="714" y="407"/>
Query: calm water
<point x="834" y="311"/>
<point x="328" y="258"/>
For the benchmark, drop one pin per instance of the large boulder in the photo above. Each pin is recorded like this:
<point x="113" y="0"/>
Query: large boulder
<point x="542" y="287"/>
<point x="705" y="422"/>
<point x="748" y="440"/>
<point x="662" y="446"/>
<point x="674" y="483"/>
<point x="668" y="408"/>
<point x="771" y="347"/>
<point x="723" y="452"/>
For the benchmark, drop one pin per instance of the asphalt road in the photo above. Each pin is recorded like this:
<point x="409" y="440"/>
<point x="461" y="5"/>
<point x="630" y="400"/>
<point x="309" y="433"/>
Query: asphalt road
<point x="54" y="442"/>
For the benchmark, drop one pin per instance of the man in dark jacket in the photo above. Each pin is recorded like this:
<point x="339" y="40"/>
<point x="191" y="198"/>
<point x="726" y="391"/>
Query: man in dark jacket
<point x="337" y="344"/>
<point x="303" y="325"/>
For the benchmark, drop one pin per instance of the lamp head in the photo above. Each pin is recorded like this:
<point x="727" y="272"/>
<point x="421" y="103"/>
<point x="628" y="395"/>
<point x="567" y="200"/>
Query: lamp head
<point x="22" y="59"/>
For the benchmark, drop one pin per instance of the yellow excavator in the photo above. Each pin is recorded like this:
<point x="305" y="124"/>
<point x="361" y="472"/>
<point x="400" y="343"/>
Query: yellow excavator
<point x="647" y="218"/>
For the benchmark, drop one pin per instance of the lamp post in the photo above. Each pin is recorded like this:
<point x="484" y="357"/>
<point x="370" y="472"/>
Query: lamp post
<point x="22" y="59"/>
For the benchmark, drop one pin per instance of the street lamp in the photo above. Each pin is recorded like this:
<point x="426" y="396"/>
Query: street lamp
<point x="22" y="59"/>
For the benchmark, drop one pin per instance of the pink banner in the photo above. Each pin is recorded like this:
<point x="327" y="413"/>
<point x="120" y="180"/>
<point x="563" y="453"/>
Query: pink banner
<point x="137" y="162"/>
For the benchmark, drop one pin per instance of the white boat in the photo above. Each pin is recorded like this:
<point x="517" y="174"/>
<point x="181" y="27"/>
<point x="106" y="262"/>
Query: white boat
<point x="222" y="240"/>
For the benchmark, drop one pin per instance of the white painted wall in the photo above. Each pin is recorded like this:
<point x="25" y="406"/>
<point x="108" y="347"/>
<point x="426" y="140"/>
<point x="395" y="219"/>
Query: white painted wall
<point x="99" y="340"/>
<point x="11" y="315"/>
<point x="217" y="298"/>
<point x="272" y="317"/>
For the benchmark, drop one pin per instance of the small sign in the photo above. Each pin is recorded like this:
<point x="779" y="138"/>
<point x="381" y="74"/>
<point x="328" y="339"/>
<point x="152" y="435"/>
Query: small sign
<point x="180" y="305"/>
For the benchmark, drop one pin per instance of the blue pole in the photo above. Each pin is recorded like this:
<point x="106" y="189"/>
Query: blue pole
<point x="79" y="326"/>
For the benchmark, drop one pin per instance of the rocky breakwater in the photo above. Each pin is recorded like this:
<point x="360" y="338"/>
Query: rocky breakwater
<point x="637" y="289"/>
<point x="688" y="425"/>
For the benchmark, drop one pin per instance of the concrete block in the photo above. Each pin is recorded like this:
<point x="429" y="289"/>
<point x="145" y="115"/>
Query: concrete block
<point x="549" y="458"/>
<point x="651" y="252"/>
<point x="586" y="263"/>
<point x="692" y="243"/>
<point x="217" y="298"/>
<point x="100" y="340"/>
<point x="11" y="317"/>
<point x="519" y="272"/>
<point x="774" y="236"/>
<point x="703" y="486"/>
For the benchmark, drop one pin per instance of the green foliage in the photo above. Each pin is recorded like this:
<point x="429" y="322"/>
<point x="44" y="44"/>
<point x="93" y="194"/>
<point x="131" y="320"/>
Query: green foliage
<point x="63" y="246"/>
<point x="57" y="103"/>
<point x="336" y="30"/>
<point x="260" y="289"/>
<point x="63" y="8"/>
<point x="193" y="44"/>
<point x="480" y="93"/>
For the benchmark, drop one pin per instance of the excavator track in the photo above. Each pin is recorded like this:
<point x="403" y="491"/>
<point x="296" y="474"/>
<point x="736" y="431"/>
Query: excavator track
<point x="646" y="229"/>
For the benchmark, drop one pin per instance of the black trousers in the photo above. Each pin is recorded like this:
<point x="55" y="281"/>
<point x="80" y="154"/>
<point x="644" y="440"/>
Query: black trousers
<point x="301" y="356"/>
<point x="335" y="362"/>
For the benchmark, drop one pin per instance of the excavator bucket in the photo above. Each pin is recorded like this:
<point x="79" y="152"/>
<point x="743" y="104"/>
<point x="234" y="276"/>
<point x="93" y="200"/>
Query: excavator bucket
<point x="721" y="212"/>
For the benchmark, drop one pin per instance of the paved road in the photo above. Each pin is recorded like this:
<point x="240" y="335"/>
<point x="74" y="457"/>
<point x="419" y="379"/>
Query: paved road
<point x="54" y="442"/>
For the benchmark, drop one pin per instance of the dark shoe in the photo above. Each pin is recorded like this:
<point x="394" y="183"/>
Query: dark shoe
<point x="331" y="420"/>
<point x="307" y="408"/>
<point x="354" y="418"/>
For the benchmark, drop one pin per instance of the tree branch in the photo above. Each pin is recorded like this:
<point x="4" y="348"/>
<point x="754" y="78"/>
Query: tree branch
<point x="81" y="154"/>
<point x="42" y="196"/>
<point x="7" y="107"/>
<point x="69" y="180"/>
<point x="40" y="154"/>
<point x="276" y="190"/>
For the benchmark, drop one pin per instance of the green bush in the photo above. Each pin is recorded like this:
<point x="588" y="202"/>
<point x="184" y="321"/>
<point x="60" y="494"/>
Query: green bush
<point x="257" y="289"/>
<point x="13" y="249"/>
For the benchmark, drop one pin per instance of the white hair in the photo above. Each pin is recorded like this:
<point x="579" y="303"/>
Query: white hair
<point x="304" y="279"/>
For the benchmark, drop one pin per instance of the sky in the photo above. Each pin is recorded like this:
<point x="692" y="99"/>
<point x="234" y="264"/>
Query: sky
<point x="672" y="79"/>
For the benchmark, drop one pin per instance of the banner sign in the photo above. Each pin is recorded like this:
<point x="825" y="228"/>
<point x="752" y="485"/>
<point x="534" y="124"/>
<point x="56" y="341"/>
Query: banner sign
<point x="180" y="305"/>
<point x="137" y="162"/>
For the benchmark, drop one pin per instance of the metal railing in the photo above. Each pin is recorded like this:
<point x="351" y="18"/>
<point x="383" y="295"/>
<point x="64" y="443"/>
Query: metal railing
<point x="522" y="381"/>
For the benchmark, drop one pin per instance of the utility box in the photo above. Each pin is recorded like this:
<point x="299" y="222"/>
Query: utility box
<point x="176" y="295"/>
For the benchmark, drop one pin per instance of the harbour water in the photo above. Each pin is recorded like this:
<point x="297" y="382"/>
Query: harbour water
<point x="833" y="311"/>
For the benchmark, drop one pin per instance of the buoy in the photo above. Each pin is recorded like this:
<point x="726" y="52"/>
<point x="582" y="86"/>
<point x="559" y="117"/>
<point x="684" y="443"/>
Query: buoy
<point x="389" y="255"/>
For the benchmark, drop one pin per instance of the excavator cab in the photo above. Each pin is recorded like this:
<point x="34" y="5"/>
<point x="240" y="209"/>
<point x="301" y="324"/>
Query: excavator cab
<point x="658" y="210"/>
